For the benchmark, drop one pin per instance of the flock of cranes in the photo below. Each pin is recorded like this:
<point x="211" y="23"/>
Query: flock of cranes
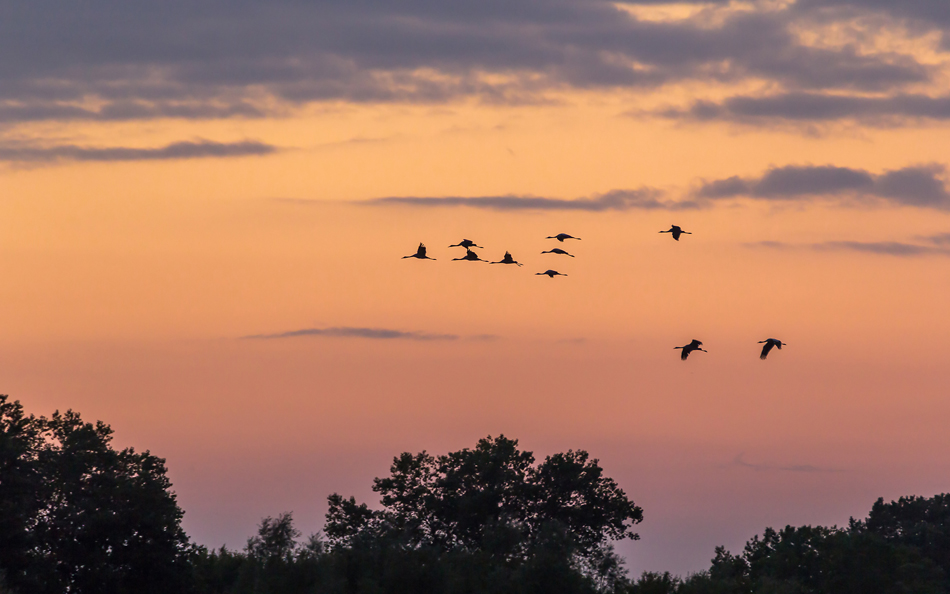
<point x="472" y="256"/>
<point x="674" y="230"/>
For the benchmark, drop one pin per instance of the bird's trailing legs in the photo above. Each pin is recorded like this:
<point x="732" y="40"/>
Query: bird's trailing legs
<point x="695" y="345"/>
<point x="676" y="231"/>
<point x="558" y="251"/>
<point x="420" y="253"/>
<point x="769" y="343"/>
<point x="507" y="260"/>
<point x="470" y="256"/>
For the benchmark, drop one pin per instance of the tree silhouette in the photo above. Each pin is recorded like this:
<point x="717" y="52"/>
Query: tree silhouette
<point x="80" y="516"/>
<point x="77" y="516"/>
<point x="901" y="547"/>
<point x="20" y="501"/>
<point x="492" y="499"/>
<point x="276" y="539"/>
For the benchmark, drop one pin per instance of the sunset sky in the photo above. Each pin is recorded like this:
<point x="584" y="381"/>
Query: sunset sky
<point x="204" y="207"/>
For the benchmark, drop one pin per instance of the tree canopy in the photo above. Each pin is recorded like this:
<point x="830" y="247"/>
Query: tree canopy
<point x="77" y="515"/>
<point x="492" y="498"/>
<point x="902" y="547"/>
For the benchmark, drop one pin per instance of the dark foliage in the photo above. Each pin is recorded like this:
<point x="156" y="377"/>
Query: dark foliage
<point x="491" y="499"/>
<point x="272" y="562"/>
<point x="481" y="521"/>
<point x="903" y="547"/>
<point x="374" y="566"/>
<point x="78" y="516"/>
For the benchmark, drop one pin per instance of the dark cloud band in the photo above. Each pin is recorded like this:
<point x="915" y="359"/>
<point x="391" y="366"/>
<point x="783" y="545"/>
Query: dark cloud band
<point x="888" y="248"/>
<point x="929" y="14"/>
<point x="817" y="107"/>
<point x="212" y="58"/>
<point x="921" y="186"/>
<point x="348" y="332"/>
<point x="738" y="461"/>
<point x="616" y="200"/>
<point x="929" y="246"/>
<point x="178" y="150"/>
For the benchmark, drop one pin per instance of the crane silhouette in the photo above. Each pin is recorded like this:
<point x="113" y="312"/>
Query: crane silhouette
<point x="507" y="260"/>
<point x="467" y="243"/>
<point x="557" y="251"/>
<point x="470" y="256"/>
<point x="676" y="231"/>
<point x="420" y="253"/>
<point x="562" y="237"/>
<point x="693" y="346"/>
<point x="769" y="343"/>
<point x="550" y="273"/>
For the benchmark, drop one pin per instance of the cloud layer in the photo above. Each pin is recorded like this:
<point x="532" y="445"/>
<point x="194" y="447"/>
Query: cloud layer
<point x="739" y="462"/>
<point x="615" y="200"/>
<point x="817" y="107"/>
<point x="888" y="248"/>
<point x="920" y="186"/>
<point x="114" y="60"/>
<point x="178" y="150"/>
<point x="350" y="332"/>
<point x="933" y="245"/>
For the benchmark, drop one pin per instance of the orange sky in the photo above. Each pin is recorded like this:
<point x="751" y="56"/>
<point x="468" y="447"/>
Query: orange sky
<point x="130" y="287"/>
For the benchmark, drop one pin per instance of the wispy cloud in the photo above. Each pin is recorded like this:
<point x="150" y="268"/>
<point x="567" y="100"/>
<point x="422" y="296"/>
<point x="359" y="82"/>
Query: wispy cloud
<point x="938" y="239"/>
<point x="939" y="246"/>
<point x="772" y="245"/>
<point x="198" y="149"/>
<point x="351" y="332"/>
<point x="615" y="200"/>
<point x="889" y="248"/>
<point x="811" y="107"/>
<point x="918" y="185"/>
<point x="115" y="109"/>
<point x="483" y="337"/>
<point x="740" y="463"/>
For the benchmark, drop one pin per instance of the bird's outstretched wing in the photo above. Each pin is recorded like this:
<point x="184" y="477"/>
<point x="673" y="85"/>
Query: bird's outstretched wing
<point x="765" y="349"/>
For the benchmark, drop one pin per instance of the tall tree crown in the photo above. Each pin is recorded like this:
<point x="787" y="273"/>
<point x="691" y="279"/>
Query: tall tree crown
<point x="492" y="498"/>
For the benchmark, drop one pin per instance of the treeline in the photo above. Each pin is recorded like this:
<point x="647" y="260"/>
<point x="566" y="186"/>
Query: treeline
<point x="903" y="547"/>
<point x="77" y="516"/>
<point x="378" y="567"/>
<point x="484" y="520"/>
